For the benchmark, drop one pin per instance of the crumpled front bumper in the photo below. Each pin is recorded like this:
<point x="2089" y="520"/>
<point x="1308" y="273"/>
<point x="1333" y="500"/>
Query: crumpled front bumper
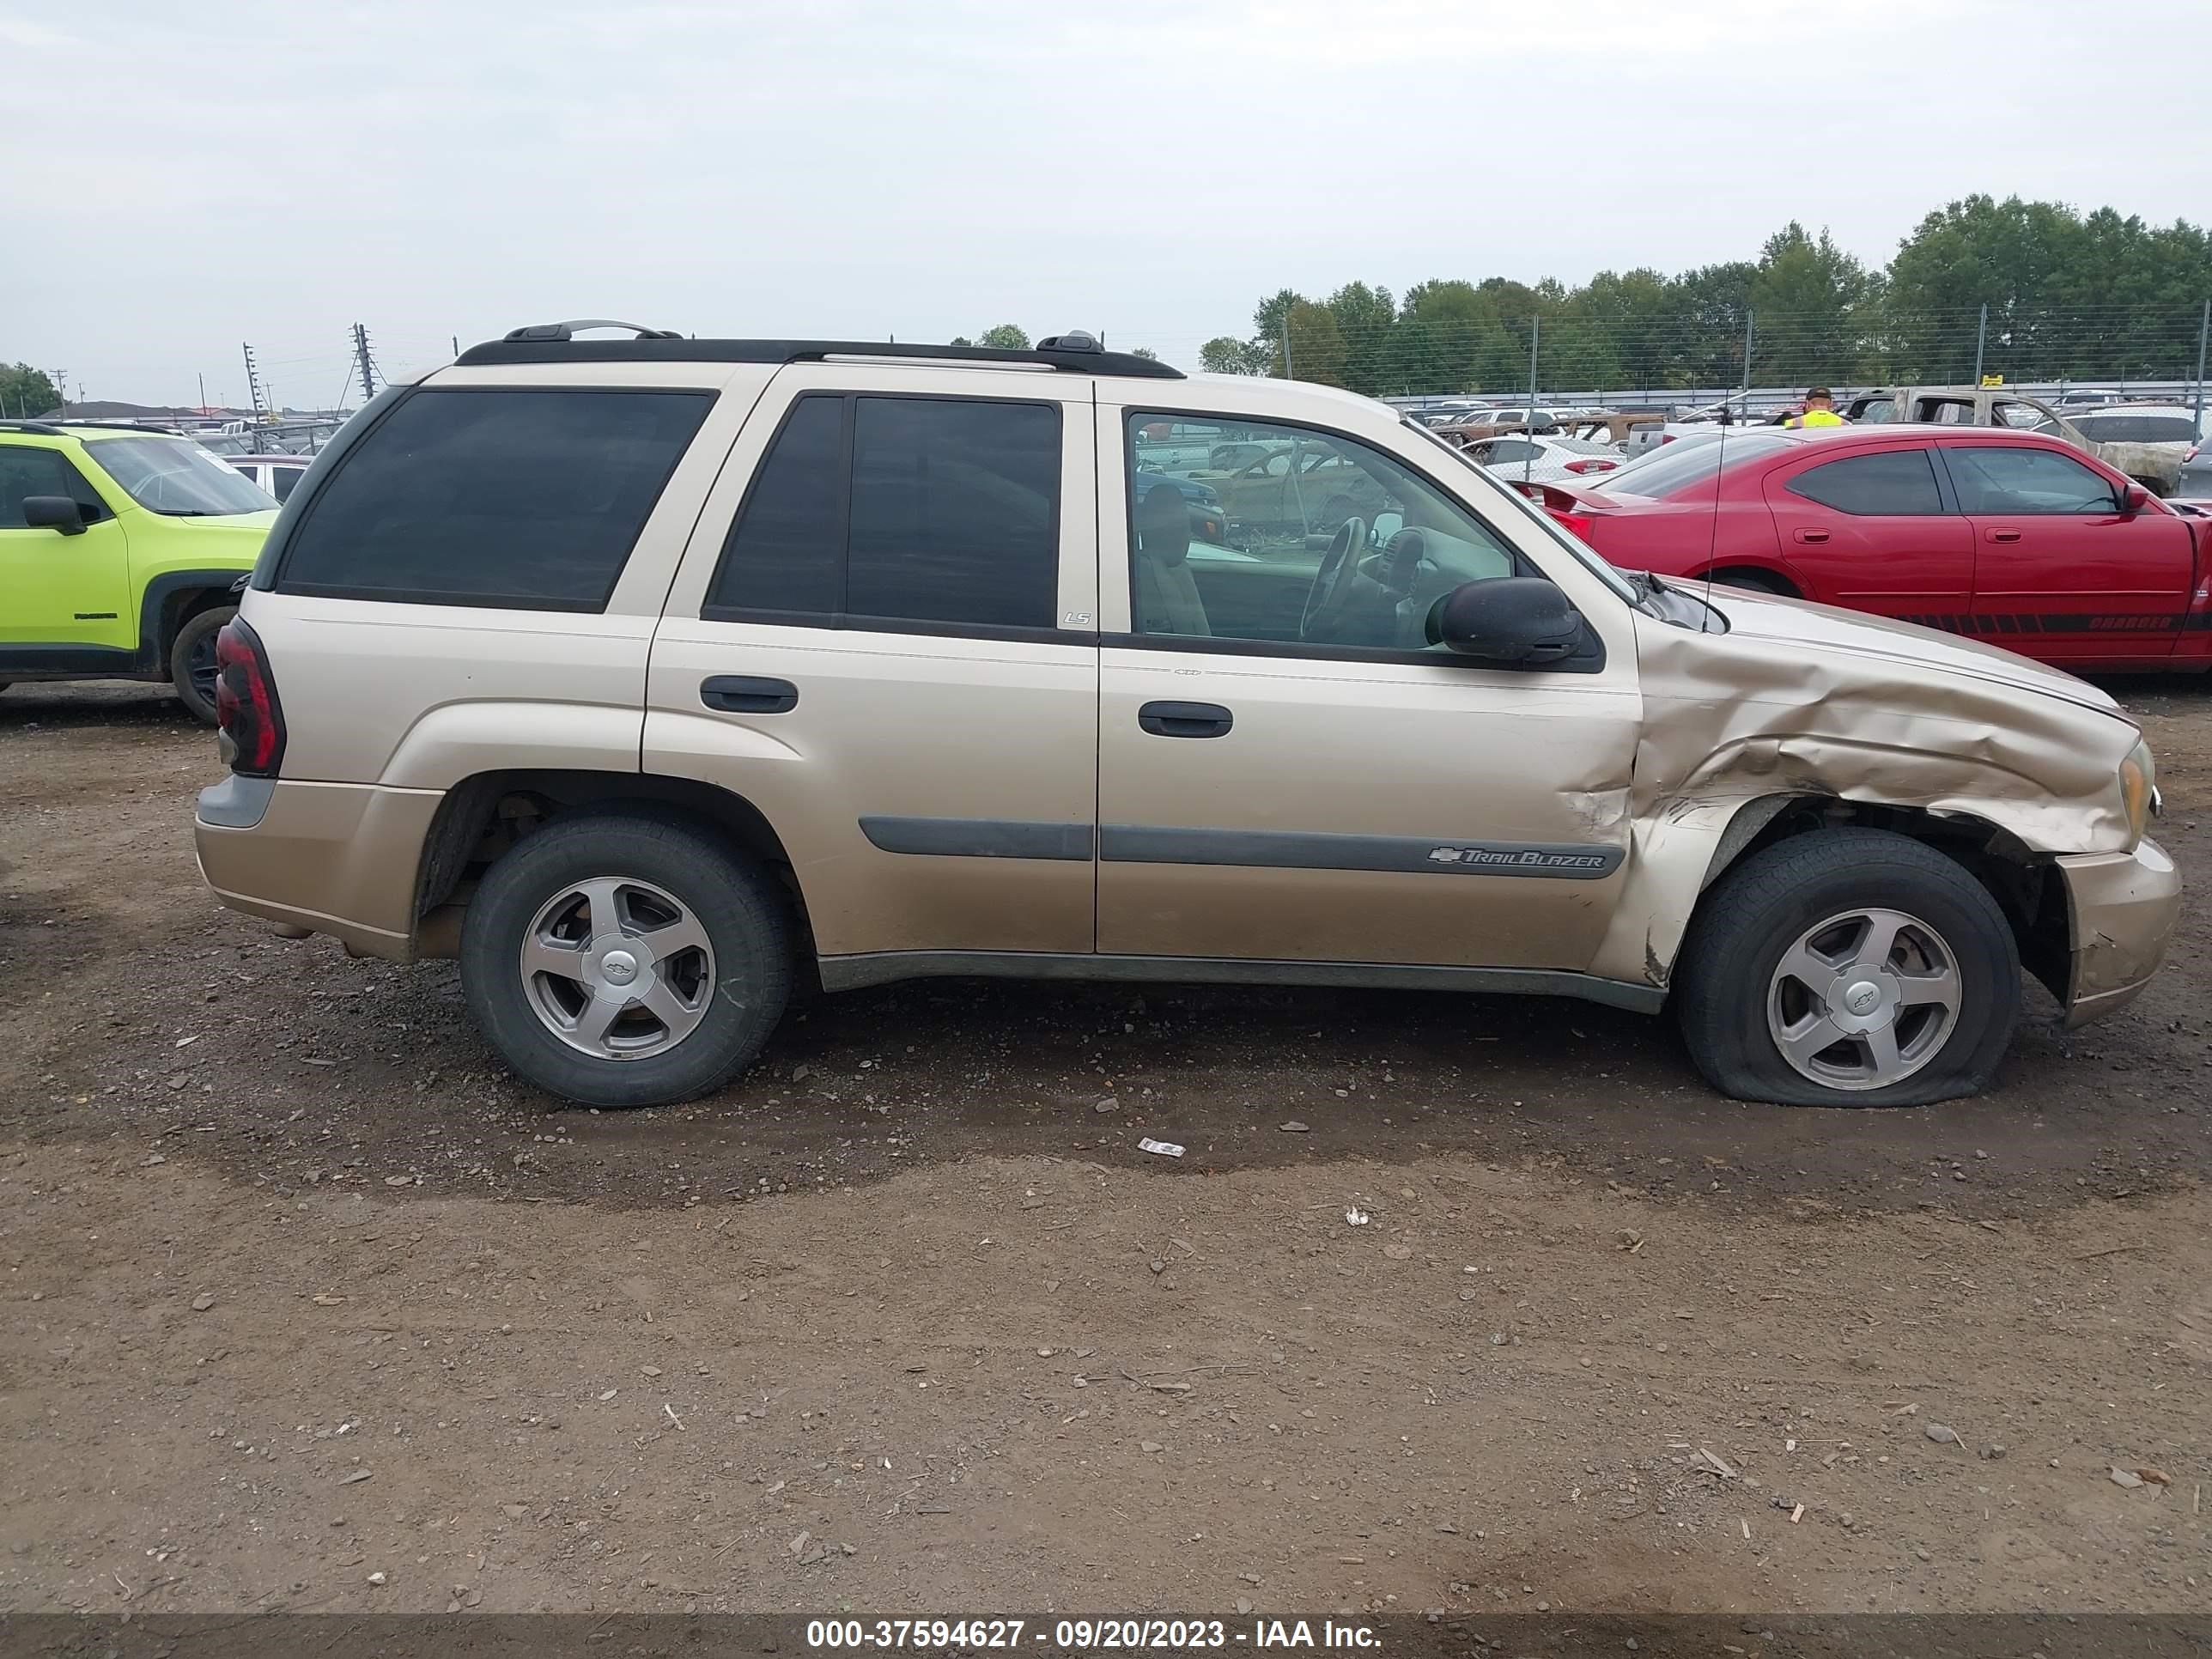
<point x="2121" y="908"/>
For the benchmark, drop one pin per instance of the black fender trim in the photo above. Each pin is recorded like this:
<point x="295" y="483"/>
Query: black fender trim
<point x="154" y="604"/>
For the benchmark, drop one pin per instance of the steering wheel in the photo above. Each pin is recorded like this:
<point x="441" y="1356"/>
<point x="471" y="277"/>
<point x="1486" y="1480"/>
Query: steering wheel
<point x="1332" y="583"/>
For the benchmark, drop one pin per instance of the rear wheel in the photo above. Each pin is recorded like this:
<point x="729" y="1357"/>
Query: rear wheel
<point x="626" y="960"/>
<point x="192" y="661"/>
<point x="1848" y="968"/>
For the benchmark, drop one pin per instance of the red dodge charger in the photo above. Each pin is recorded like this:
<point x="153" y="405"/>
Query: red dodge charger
<point x="2015" y="539"/>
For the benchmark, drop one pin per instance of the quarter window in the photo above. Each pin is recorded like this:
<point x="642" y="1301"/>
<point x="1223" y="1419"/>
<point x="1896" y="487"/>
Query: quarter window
<point x="521" y="500"/>
<point x="878" y="512"/>
<point x="1896" y="483"/>
<point x="1993" y="480"/>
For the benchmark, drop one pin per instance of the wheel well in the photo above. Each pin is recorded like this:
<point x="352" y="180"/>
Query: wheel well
<point x="2024" y="883"/>
<point x="483" y="816"/>
<point x="1757" y="576"/>
<point x="180" y="607"/>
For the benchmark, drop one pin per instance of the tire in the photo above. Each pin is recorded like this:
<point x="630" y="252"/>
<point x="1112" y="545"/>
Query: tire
<point x="1754" y="581"/>
<point x="1735" y="1000"/>
<point x="651" y="863"/>
<point x="192" y="661"/>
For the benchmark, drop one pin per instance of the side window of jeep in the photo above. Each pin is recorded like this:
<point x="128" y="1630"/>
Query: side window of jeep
<point x="888" y="512"/>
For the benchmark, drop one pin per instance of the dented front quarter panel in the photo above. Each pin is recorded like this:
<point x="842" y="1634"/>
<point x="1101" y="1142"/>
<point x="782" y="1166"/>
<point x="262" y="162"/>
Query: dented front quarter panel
<point x="1798" y="700"/>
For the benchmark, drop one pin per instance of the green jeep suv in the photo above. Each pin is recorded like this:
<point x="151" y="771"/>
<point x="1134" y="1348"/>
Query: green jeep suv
<point x="119" y="551"/>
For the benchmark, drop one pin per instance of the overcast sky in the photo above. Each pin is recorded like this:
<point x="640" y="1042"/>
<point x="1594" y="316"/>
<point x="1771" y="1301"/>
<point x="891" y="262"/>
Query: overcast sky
<point x="177" y="180"/>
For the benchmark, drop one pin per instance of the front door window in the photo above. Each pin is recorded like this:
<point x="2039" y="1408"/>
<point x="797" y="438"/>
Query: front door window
<point x="1328" y="541"/>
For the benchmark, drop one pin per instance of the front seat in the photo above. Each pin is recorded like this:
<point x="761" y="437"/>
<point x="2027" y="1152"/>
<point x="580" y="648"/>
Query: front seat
<point x="1167" y="593"/>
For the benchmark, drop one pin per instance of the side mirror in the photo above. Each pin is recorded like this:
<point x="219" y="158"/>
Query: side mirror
<point x="2133" y="499"/>
<point x="1513" y="622"/>
<point x="53" y="513"/>
<point x="1384" y="526"/>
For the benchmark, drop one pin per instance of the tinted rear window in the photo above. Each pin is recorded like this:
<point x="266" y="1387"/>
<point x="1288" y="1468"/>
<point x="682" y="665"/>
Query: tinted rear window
<point x="1894" y="482"/>
<point x="524" y="500"/>
<point x="2137" y="429"/>
<point x="875" y="511"/>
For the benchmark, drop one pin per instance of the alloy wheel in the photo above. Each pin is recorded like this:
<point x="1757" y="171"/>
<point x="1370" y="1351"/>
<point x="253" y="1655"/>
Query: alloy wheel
<point x="617" y="968"/>
<point x="1864" y="999"/>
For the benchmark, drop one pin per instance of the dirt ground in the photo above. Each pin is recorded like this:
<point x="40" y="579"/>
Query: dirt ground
<point x="307" y="1305"/>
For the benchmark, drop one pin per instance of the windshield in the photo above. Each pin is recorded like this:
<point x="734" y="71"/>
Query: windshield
<point x="179" y="479"/>
<point x="1583" y="555"/>
<point x="1686" y="463"/>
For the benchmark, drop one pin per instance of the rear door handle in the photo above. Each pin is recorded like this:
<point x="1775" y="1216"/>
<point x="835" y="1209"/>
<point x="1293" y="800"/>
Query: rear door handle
<point x="1185" y="720"/>
<point x="1810" y="534"/>
<point x="2004" y="535"/>
<point x="747" y="694"/>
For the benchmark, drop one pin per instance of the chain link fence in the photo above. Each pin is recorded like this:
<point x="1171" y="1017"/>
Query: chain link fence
<point x="1691" y="359"/>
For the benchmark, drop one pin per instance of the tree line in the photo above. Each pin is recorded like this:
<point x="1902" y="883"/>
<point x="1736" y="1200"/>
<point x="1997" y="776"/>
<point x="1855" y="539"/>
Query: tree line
<point x="2070" y="296"/>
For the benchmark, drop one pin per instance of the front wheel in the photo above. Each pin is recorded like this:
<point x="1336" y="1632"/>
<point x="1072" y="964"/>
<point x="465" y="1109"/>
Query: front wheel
<point x="623" y="959"/>
<point x="1847" y="968"/>
<point x="192" y="661"/>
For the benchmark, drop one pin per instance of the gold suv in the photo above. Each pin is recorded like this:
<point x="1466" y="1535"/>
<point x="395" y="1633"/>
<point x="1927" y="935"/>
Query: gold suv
<point x="651" y="675"/>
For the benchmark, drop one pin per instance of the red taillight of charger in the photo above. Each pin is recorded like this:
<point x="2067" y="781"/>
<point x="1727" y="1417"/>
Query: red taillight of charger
<point x="246" y="706"/>
<point x="1593" y="465"/>
<point x="1578" y="524"/>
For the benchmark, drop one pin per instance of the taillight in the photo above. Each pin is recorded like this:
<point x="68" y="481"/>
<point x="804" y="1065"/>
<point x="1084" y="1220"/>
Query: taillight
<point x="246" y="706"/>
<point x="1593" y="465"/>
<point x="1577" y="525"/>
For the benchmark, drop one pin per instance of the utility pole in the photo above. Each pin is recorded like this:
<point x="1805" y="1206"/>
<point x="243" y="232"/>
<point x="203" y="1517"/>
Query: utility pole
<point x="2203" y="328"/>
<point x="1287" y="372"/>
<point x="1528" y="426"/>
<point x="253" y="384"/>
<point x="203" y="404"/>
<point x="1747" y="315"/>
<point x="1981" y="338"/>
<point x="367" y="364"/>
<point x="61" y="390"/>
<point x="457" y="345"/>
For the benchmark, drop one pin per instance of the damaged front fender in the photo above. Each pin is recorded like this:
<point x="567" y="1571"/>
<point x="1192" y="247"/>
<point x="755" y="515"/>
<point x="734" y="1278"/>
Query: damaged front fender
<point x="1800" y="702"/>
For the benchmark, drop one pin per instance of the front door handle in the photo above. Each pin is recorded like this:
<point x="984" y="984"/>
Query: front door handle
<point x="2004" y="535"/>
<point x="1185" y="719"/>
<point x="1811" y="535"/>
<point x="749" y="694"/>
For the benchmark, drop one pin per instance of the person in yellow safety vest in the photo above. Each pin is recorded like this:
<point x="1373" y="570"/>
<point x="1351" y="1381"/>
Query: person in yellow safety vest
<point x="1820" y="410"/>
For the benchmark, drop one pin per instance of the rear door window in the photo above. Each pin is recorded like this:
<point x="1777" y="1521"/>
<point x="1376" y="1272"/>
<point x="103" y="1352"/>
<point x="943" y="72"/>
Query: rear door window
<point x="1893" y="482"/>
<point x="522" y="500"/>
<point x="890" y="513"/>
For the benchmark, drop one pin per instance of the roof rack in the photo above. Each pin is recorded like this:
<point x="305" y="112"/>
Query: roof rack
<point x="555" y="343"/>
<point x="36" y="429"/>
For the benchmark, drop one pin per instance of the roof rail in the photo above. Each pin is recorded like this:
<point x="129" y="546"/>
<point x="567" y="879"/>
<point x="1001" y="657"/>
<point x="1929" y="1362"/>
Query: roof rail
<point x="555" y="342"/>
<point x="567" y="330"/>
<point x="36" y="429"/>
